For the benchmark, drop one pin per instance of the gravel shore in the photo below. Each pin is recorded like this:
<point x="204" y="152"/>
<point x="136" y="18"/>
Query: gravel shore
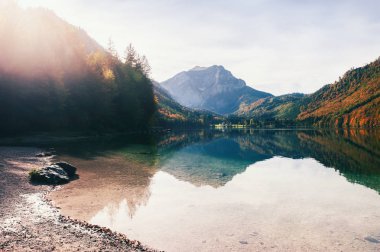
<point x="28" y="221"/>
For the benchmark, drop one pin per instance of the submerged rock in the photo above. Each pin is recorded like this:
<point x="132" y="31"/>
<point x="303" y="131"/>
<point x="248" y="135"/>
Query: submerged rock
<point x="58" y="173"/>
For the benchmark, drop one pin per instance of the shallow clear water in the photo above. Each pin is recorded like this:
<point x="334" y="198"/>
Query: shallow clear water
<point x="222" y="191"/>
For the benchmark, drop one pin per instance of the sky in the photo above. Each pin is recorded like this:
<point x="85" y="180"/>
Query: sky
<point x="278" y="46"/>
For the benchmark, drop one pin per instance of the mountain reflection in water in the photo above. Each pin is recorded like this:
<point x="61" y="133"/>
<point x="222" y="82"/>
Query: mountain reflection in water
<point x="155" y="182"/>
<point x="213" y="159"/>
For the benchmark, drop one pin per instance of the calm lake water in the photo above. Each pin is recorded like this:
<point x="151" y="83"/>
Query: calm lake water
<point x="276" y="190"/>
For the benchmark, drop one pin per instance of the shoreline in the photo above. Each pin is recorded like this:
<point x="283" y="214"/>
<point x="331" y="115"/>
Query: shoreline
<point x="29" y="220"/>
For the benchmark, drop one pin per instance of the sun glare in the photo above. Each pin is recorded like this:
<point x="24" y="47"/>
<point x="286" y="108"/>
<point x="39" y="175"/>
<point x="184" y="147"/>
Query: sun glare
<point x="36" y="3"/>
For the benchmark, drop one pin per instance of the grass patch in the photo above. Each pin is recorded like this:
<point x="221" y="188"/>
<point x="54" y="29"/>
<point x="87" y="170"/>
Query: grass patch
<point x="34" y="175"/>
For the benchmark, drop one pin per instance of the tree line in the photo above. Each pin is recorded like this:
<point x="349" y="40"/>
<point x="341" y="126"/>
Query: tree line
<point x="107" y="94"/>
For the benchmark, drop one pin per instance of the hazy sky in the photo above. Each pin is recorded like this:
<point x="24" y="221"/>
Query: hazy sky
<point x="279" y="46"/>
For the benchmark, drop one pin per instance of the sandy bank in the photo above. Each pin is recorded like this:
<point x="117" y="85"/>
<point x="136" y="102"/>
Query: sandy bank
<point x="28" y="222"/>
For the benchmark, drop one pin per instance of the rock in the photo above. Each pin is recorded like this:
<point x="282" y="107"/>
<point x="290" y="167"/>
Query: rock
<point x="52" y="175"/>
<point x="68" y="168"/>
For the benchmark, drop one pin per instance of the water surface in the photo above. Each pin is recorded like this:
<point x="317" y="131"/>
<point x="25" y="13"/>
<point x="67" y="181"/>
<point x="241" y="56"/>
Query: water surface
<point x="219" y="191"/>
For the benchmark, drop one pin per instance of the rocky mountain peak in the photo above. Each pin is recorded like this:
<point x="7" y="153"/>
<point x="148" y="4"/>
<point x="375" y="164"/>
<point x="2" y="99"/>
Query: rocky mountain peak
<point x="212" y="88"/>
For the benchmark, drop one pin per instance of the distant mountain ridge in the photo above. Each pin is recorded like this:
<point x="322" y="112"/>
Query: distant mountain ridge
<point x="211" y="88"/>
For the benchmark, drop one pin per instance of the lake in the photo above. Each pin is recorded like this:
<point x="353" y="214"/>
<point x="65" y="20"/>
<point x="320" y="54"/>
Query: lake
<point x="247" y="190"/>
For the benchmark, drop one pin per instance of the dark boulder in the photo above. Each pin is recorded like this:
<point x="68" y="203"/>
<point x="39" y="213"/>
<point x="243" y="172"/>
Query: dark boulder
<point x="52" y="175"/>
<point x="68" y="168"/>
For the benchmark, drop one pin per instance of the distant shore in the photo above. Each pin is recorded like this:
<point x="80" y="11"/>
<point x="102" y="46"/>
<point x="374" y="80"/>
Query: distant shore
<point x="28" y="221"/>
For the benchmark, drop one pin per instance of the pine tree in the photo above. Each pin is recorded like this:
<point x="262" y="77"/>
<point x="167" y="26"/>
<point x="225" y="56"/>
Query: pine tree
<point x="111" y="48"/>
<point x="131" y="56"/>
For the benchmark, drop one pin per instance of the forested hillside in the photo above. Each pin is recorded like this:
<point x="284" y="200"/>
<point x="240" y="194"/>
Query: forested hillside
<point x="53" y="76"/>
<point x="172" y="114"/>
<point x="284" y="107"/>
<point x="353" y="101"/>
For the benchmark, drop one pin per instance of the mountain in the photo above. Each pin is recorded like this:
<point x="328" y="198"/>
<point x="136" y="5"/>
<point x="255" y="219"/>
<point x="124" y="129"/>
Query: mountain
<point x="36" y="43"/>
<point x="171" y="113"/>
<point x="211" y="88"/>
<point x="284" y="107"/>
<point x="53" y="76"/>
<point x="353" y="101"/>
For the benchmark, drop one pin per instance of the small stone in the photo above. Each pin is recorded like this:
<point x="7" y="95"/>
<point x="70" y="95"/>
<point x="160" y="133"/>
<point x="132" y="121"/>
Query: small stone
<point x="243" y="242"/>
<point x="371" y="239"/>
